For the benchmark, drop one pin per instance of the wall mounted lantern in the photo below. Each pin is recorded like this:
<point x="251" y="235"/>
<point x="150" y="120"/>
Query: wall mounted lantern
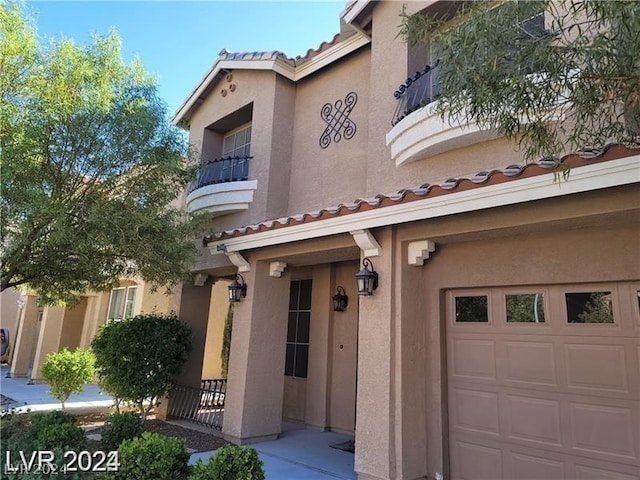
<point x="238" y="289"/>
<point x="367" y="278"/>
<point x="340" y="300"/>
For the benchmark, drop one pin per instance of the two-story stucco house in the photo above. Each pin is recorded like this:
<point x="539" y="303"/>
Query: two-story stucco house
<point x="502" y="340"/>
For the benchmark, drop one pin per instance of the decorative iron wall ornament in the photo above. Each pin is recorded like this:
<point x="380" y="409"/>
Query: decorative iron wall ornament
<point x="338" y="123"/>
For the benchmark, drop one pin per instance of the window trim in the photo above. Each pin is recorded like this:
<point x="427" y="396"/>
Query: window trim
<point x="125" y="302"/>
<point x="234" y="132"/>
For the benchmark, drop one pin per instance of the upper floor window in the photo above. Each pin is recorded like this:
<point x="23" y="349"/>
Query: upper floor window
<point x="237" y="143"/>
<point x="121" y="303"/>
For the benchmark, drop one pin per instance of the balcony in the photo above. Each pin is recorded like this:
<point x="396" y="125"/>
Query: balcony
<point x="418" y="130"/>
<point x="222" y="186"/>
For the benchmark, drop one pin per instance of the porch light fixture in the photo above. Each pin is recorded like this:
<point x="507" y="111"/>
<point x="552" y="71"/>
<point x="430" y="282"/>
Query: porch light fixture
<point x="238" y="289"/>
<point x="340" y="300"/>
<point x="367" y="278"/>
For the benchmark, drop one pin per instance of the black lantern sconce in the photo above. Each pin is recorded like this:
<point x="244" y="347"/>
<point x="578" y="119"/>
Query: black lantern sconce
<point x="340" y="300"/>
<point x="367" y="278"/>
<point x="237" y="290"/>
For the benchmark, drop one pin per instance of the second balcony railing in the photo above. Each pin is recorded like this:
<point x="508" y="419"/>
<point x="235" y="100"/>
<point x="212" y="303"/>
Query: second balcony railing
<point x="222" y="170"/>
<point x="417" y="91"/>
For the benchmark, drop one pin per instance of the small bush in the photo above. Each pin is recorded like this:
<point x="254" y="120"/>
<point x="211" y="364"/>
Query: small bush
<point x="138" y="358"/>
<point x="56" y="417"/>
<point x="66" y="436"/>
<point x="153" y="457"/>
<point x="57" y="429"/>
<point x="27" y="433"/>
<point x="66" y="372"/>
<point x="230" y="462"/>
<point x="119" y="427"/>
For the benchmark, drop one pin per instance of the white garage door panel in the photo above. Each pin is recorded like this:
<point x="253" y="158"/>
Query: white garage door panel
<point x="545" y="400"/>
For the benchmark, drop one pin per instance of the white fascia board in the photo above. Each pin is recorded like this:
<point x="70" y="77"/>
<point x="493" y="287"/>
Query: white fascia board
<point x="597" y="176"/>
<point x="356" y="10"/>
<point x="343" y="48"/>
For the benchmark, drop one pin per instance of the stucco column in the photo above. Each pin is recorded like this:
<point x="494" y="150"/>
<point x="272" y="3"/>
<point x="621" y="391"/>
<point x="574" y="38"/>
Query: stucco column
<point x="49" y="339"/>
<point x="90" y="322"/>
<point x="375" y="433"/>
<point x="25" y="337"/>
<point x="194" y="311"/>
<point x="253" y="406"/>
<point x="317" y="405"/>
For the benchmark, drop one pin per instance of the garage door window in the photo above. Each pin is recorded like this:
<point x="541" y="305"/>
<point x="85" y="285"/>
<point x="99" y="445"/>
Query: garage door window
<point x="472" y="309"/>
<point x="589" y="307"/>
<point x="525" y="308"/>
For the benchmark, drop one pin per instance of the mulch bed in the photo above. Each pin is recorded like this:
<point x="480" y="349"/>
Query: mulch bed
<point x="194" y="439"/>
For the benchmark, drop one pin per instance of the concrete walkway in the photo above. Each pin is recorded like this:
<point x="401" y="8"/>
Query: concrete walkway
<point x="36" y="397"/>
<point x="298" y="454"/>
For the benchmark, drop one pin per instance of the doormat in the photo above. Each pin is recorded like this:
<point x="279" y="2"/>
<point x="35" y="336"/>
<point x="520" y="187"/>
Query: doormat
<point x="349" y="446"/>
<point x="6" y="400"/>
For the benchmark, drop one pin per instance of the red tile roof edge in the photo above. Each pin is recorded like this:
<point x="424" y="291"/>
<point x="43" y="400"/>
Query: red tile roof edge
<point x="452" y="185"/>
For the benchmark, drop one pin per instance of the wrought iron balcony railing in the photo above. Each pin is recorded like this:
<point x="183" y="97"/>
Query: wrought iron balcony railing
<point x="417" y="91"/>
<point x="222" y="170"/>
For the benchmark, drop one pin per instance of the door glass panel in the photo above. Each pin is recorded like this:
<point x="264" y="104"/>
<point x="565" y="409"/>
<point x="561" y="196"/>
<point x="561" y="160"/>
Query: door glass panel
<point x="472" y="309"/>
<point x="525" y="308"/>
<point x="589" y="307"/>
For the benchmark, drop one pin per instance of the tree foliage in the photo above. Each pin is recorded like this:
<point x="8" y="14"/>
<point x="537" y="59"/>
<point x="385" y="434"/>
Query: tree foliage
<point x="90" y="165"/>
<point x="67" y="371"/>
<point x="137" y="358"/>
<point x="570" y="83"/>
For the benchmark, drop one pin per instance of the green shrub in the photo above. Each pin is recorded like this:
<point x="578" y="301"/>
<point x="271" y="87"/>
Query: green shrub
<point x="230" y="462"/>
<point x="15" y="431"/>
<point x="66" y="372"/>
<point x="54" y="417"/>
<point x="137" y="358"/>
<point x="152" y="457"/>
<point x="119" y="427"/>
<point x="27" y="433"/>
<point x="66" y="436"/>
<point x="57" y="429"/>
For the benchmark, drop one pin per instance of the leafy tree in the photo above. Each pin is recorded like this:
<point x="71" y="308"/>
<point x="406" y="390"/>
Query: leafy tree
<point x="137" y="358"/>
<point x="506" y="67"/>
<point x="67" y="371"/>
<point x="90" y="165"/>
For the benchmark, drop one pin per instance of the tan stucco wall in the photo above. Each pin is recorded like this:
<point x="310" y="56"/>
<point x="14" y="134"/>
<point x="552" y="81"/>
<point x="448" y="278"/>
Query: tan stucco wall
<point x="321" y="177"/>
<point x="49" y="338"/>
<point x="72" y="326"/>
<point x="218" y="308"/>
<point x="157" y="301"/>
<point x="343" y="352"/>
<point x="26" y="337"/>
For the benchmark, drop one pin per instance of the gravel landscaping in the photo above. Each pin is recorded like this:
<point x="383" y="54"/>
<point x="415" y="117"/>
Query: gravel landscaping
<point x="195" y="440"/>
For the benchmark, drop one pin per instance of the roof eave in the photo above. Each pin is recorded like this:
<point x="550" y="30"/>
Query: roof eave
<point x="278" y="65"/>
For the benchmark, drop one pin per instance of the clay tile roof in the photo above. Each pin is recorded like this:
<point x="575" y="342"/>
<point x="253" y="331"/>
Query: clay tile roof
<point x="271" y="55"/>
<point x="449" y="186"/>
<point x="323" y="46"/>
<point x="275" y="54"/>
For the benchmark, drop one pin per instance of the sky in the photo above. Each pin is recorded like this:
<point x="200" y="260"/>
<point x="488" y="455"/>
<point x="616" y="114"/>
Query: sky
<point x="178" y="41"/>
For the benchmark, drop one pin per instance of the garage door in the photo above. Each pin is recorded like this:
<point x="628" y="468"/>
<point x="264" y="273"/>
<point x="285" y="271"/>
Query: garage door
<point x="544" y="382"/>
